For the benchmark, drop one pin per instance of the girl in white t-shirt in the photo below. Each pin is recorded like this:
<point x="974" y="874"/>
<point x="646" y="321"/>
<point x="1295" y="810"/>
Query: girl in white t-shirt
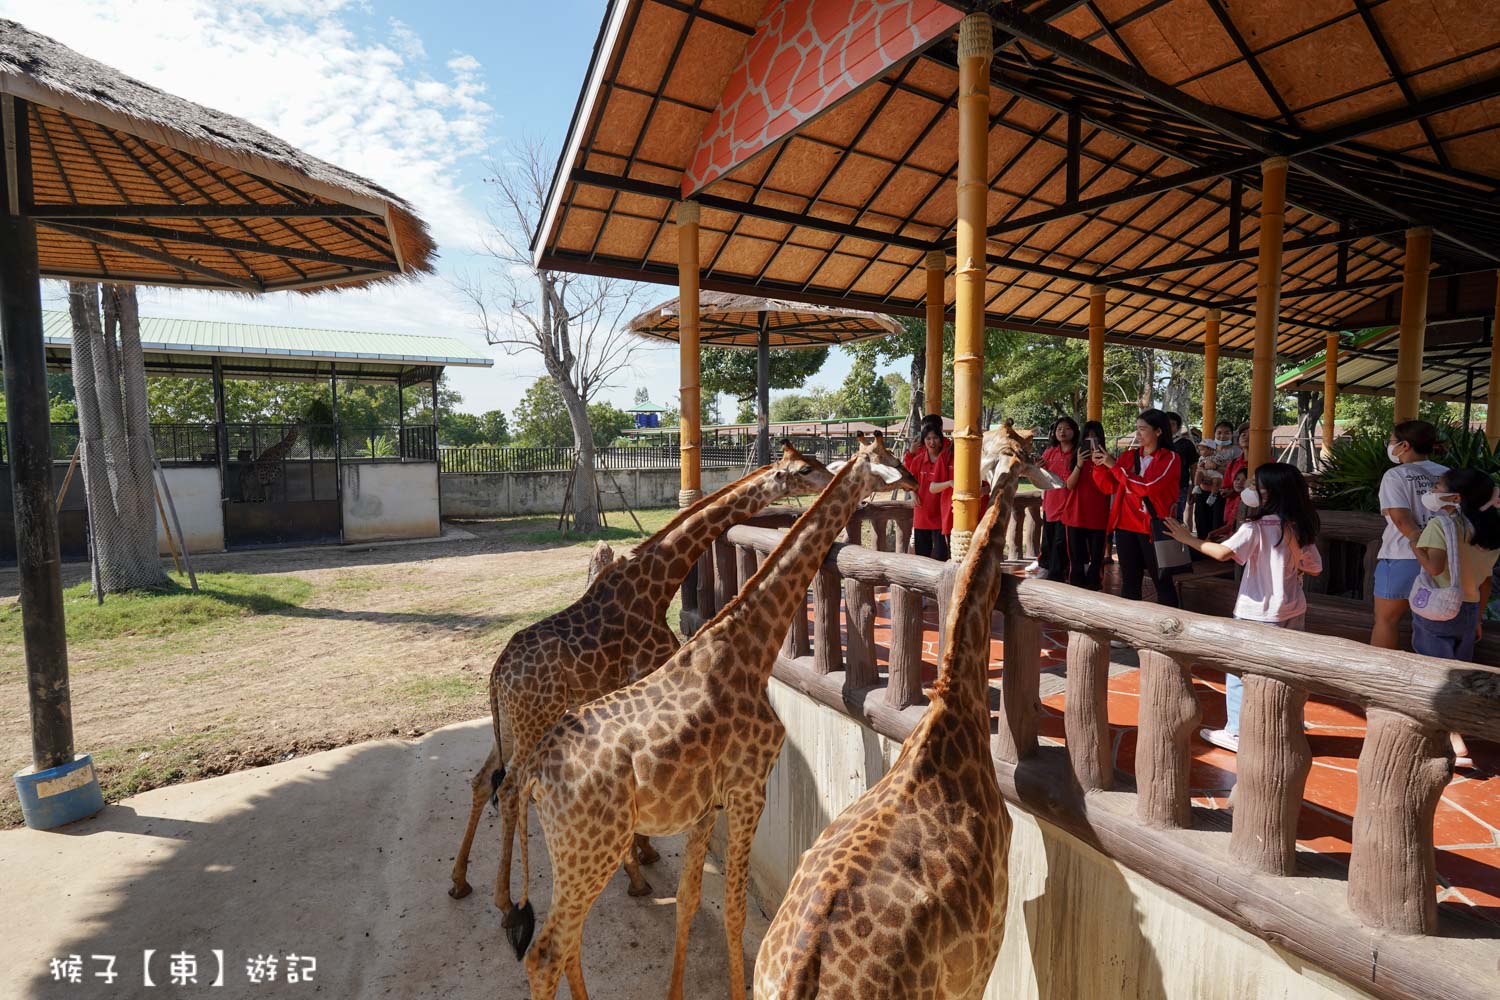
<point x="1276" y="545"/>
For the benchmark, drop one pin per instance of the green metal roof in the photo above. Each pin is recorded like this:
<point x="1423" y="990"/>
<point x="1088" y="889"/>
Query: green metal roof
<point x="207" y="338"/>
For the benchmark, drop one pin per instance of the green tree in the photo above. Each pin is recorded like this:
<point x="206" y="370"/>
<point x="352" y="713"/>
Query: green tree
<point x="542" y="420"/>
<point x="732" y="371"/>
<point x="864" y="393"/>
<point x="459" y="428"/>
<point x="812" y="404"/>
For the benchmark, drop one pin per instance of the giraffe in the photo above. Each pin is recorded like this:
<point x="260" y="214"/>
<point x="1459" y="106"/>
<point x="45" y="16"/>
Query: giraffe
<point x="904" y="894"/>
<point x="663" y="755"/>
<point x="601" y="557"/>
<point x="266" y="469"/>
<point x="615" y="633"/>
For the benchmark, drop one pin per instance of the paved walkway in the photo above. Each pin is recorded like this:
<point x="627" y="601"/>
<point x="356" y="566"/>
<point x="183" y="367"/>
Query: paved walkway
<point x="343" y="856"/>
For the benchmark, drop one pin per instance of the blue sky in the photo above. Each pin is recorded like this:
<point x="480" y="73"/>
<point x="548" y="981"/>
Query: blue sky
<point x="419" y="97"/>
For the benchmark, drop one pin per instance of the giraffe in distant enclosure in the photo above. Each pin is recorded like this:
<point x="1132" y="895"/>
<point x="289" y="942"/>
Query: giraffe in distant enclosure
<point x="599" y="559"/>
<point x="667" y="753"/>
<point x="615" y="633"/>
<point x="267" y="468"/>
<point x="904" y="894"/>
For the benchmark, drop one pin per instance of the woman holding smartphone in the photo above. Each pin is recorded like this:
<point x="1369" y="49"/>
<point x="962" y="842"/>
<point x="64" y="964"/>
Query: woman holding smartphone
<point x="1085" y="514"/>
<point x="1144" y="480"/>
<point x="1060" y="459"/>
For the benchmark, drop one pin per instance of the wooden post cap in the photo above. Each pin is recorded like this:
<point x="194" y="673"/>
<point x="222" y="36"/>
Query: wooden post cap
<point x="937" y="260"/>
<point x="687" y="213"/>
<point x="1274" y="163"/>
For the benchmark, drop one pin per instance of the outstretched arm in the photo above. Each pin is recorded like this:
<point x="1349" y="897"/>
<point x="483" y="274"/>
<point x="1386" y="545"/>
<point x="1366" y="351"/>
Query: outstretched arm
<point x="1213" y="550"/>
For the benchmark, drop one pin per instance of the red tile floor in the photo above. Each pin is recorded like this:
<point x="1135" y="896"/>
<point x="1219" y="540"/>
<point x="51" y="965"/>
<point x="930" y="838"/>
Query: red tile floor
<point x="1467" y="825"/>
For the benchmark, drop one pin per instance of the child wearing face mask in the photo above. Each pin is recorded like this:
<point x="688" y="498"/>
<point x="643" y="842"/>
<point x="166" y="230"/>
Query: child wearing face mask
<point x="1276" y="545"/>
<point x="1401" y="490"/>
<point x="1464" y="501"/>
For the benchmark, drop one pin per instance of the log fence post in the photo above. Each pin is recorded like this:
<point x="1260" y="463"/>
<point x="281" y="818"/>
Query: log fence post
<point x="1272" y="766"/>
<point x="1168" y="712"/>
<point x="827" y="654"/>
<point x="1020" y="683"/>
<point x="904" y="673"/>
<point x="1392" y="867"/>
<point x="1086" y="715"/>
<point x="859" y="642"/>
<point x="724" y="573"/>
<point x="745" y="564"/>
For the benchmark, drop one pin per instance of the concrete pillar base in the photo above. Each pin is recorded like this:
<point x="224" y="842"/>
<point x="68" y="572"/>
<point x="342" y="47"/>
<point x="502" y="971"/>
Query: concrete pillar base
<point x="686" y="498"/>
<point x="958" y="544"/>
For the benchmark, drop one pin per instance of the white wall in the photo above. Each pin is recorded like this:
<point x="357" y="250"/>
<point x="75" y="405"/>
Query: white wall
<point x="1078" y="925"/>
<point x="196" y="494"/>
<point x="386" y="500"/>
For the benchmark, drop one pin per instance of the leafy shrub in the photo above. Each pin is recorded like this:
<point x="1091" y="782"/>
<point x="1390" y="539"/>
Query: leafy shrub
<point x="1350" y="480"/>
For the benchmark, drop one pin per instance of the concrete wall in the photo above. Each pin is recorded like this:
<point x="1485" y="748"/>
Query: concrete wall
<point x="196" y="496"/>
<point x="385" y="500"/>
<point x="1078" y="925"/>
<point x="504" y="494"/>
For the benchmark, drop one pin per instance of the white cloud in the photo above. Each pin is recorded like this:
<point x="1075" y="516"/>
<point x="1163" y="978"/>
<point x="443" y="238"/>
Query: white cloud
<point x="307" y="72"/>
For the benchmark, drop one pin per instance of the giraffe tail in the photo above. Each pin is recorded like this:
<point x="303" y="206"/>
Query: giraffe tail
<point x="520" y="922"/>
<point x="499" y="775"/>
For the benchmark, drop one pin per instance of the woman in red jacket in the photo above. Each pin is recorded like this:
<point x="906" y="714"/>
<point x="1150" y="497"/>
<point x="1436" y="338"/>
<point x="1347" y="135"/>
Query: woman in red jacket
<point x="1145" y="481"/>
<point x="1060" y="459"/>
<point x="930" y="463"/>
<point x="1085" y="514"/>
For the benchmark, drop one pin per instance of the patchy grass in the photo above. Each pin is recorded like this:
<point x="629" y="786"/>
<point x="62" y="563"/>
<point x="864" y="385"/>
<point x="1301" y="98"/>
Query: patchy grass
<point x="542" y="530"/>
<point x="168" y="611"/>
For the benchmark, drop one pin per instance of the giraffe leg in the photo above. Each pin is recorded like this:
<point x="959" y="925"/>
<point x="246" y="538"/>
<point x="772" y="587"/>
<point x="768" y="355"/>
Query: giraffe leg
<point x="744" y="813"/>
<point x="638" y="884"/>
<point x="510" y="807"/>
<point x="644" y="852"/>
<point x="689" y="889"/>
<point x="481" y="790"/>
<point x="580" y="873"/>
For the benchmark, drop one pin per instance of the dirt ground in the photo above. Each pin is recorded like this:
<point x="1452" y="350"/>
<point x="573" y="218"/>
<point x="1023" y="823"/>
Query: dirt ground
<point x="395" y="641"/>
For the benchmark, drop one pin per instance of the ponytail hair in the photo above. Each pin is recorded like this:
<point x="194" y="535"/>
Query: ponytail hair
<point x="1475" y="491"/>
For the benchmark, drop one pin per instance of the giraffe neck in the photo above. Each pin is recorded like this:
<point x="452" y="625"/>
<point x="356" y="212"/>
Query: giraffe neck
<point x="778" y="590"/>
<point x="678" y="546"/>
<point x="962" y="684"/>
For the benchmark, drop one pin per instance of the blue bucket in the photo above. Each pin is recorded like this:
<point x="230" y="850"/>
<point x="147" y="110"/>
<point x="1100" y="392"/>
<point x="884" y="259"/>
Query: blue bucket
<point x="59" y="795"/>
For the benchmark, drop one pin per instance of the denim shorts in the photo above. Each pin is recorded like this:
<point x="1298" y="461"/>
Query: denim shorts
<point x="1394" y="577"/>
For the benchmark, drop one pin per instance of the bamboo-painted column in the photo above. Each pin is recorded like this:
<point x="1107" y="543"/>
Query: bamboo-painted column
<point x="763" y="391"/>
<point x="975" y="52"/>
<point x="1267" y="305"/>
<point x="1413" y="323"/>
<point x="1210" y="371"/>
<point x="1096" y="352"/>
<point x="932" y="383"/>
<point x="690" y="431"/>
<point x="1492" y="397"/>
<point x="1330" y="390"/>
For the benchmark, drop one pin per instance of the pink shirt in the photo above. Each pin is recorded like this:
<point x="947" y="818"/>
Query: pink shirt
<point x="1271" y="586"/>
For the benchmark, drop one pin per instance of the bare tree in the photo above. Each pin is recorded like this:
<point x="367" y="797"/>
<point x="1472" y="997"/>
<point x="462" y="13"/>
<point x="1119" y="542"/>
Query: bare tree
<point x="109" y="379"/>
<point x="576" y="323"/>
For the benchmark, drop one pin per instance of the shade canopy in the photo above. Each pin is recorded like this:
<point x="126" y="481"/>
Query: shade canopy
<point x="729" y="320"/>
<point x="1455" y="365"/>
<point x="1125" y="144"/>
<point x="131" y="184"/>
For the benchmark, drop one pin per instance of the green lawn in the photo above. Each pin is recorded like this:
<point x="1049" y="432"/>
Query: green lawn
<point x="165" y="612"/>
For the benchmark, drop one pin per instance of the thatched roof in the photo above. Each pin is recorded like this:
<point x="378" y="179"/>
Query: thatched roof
<point x="729" y="320"/>
<point x="131" y="183"/>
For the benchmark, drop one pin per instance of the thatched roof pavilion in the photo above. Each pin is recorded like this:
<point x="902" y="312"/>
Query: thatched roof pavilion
<point x="105" y="178"/>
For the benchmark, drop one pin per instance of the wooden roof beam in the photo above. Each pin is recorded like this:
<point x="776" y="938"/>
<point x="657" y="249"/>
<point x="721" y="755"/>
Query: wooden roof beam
<point x="233" y="245"/>
<point x="250" y="284"/>
<point x="1347" y="234"/>
<point x="80" y="213"/>
<point x="1261" y="140"/>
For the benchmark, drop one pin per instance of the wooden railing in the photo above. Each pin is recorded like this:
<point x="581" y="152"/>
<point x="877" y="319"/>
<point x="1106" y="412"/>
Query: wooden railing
<point x="1375" y="925"/>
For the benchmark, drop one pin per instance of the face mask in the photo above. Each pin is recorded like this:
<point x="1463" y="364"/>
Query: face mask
<point x="1435" y="502"/>
<point x="1390" y="452"/>
<point x="1249" y="497"/>
<point x="1223" y="442"/>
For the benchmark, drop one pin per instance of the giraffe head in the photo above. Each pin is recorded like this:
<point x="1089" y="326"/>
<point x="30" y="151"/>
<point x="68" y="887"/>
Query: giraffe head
<point x="884" y="471"/>
<point x="1006" y="450"/>
<point x="795" y="472"/>
<point x="599" y="559"/>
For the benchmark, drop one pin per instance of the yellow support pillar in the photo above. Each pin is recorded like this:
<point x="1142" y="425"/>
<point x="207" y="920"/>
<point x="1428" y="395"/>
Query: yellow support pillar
<point x="1267" y="305"/>
<point x="1096" y="352"/>
<point x="1413" y="323"/>
<point x="1210" y="372"/>
<point x="689" y="424"/>
<point x="1330" y="390"/>
<point x="932" y="384"/>
<point x="975" y="52"/>
<point x="1492" y="396"/>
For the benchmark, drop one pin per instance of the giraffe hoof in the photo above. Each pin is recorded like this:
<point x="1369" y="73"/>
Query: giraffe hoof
<point x="644" y="889"/>
<point x="647" y="855"/>
<point x="459" y="890"/>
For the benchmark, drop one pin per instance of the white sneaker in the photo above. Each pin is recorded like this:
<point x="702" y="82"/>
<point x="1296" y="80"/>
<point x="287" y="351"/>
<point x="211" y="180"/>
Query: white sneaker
<point x="1221" y="738"/>
<point x="1033" y="568"/>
